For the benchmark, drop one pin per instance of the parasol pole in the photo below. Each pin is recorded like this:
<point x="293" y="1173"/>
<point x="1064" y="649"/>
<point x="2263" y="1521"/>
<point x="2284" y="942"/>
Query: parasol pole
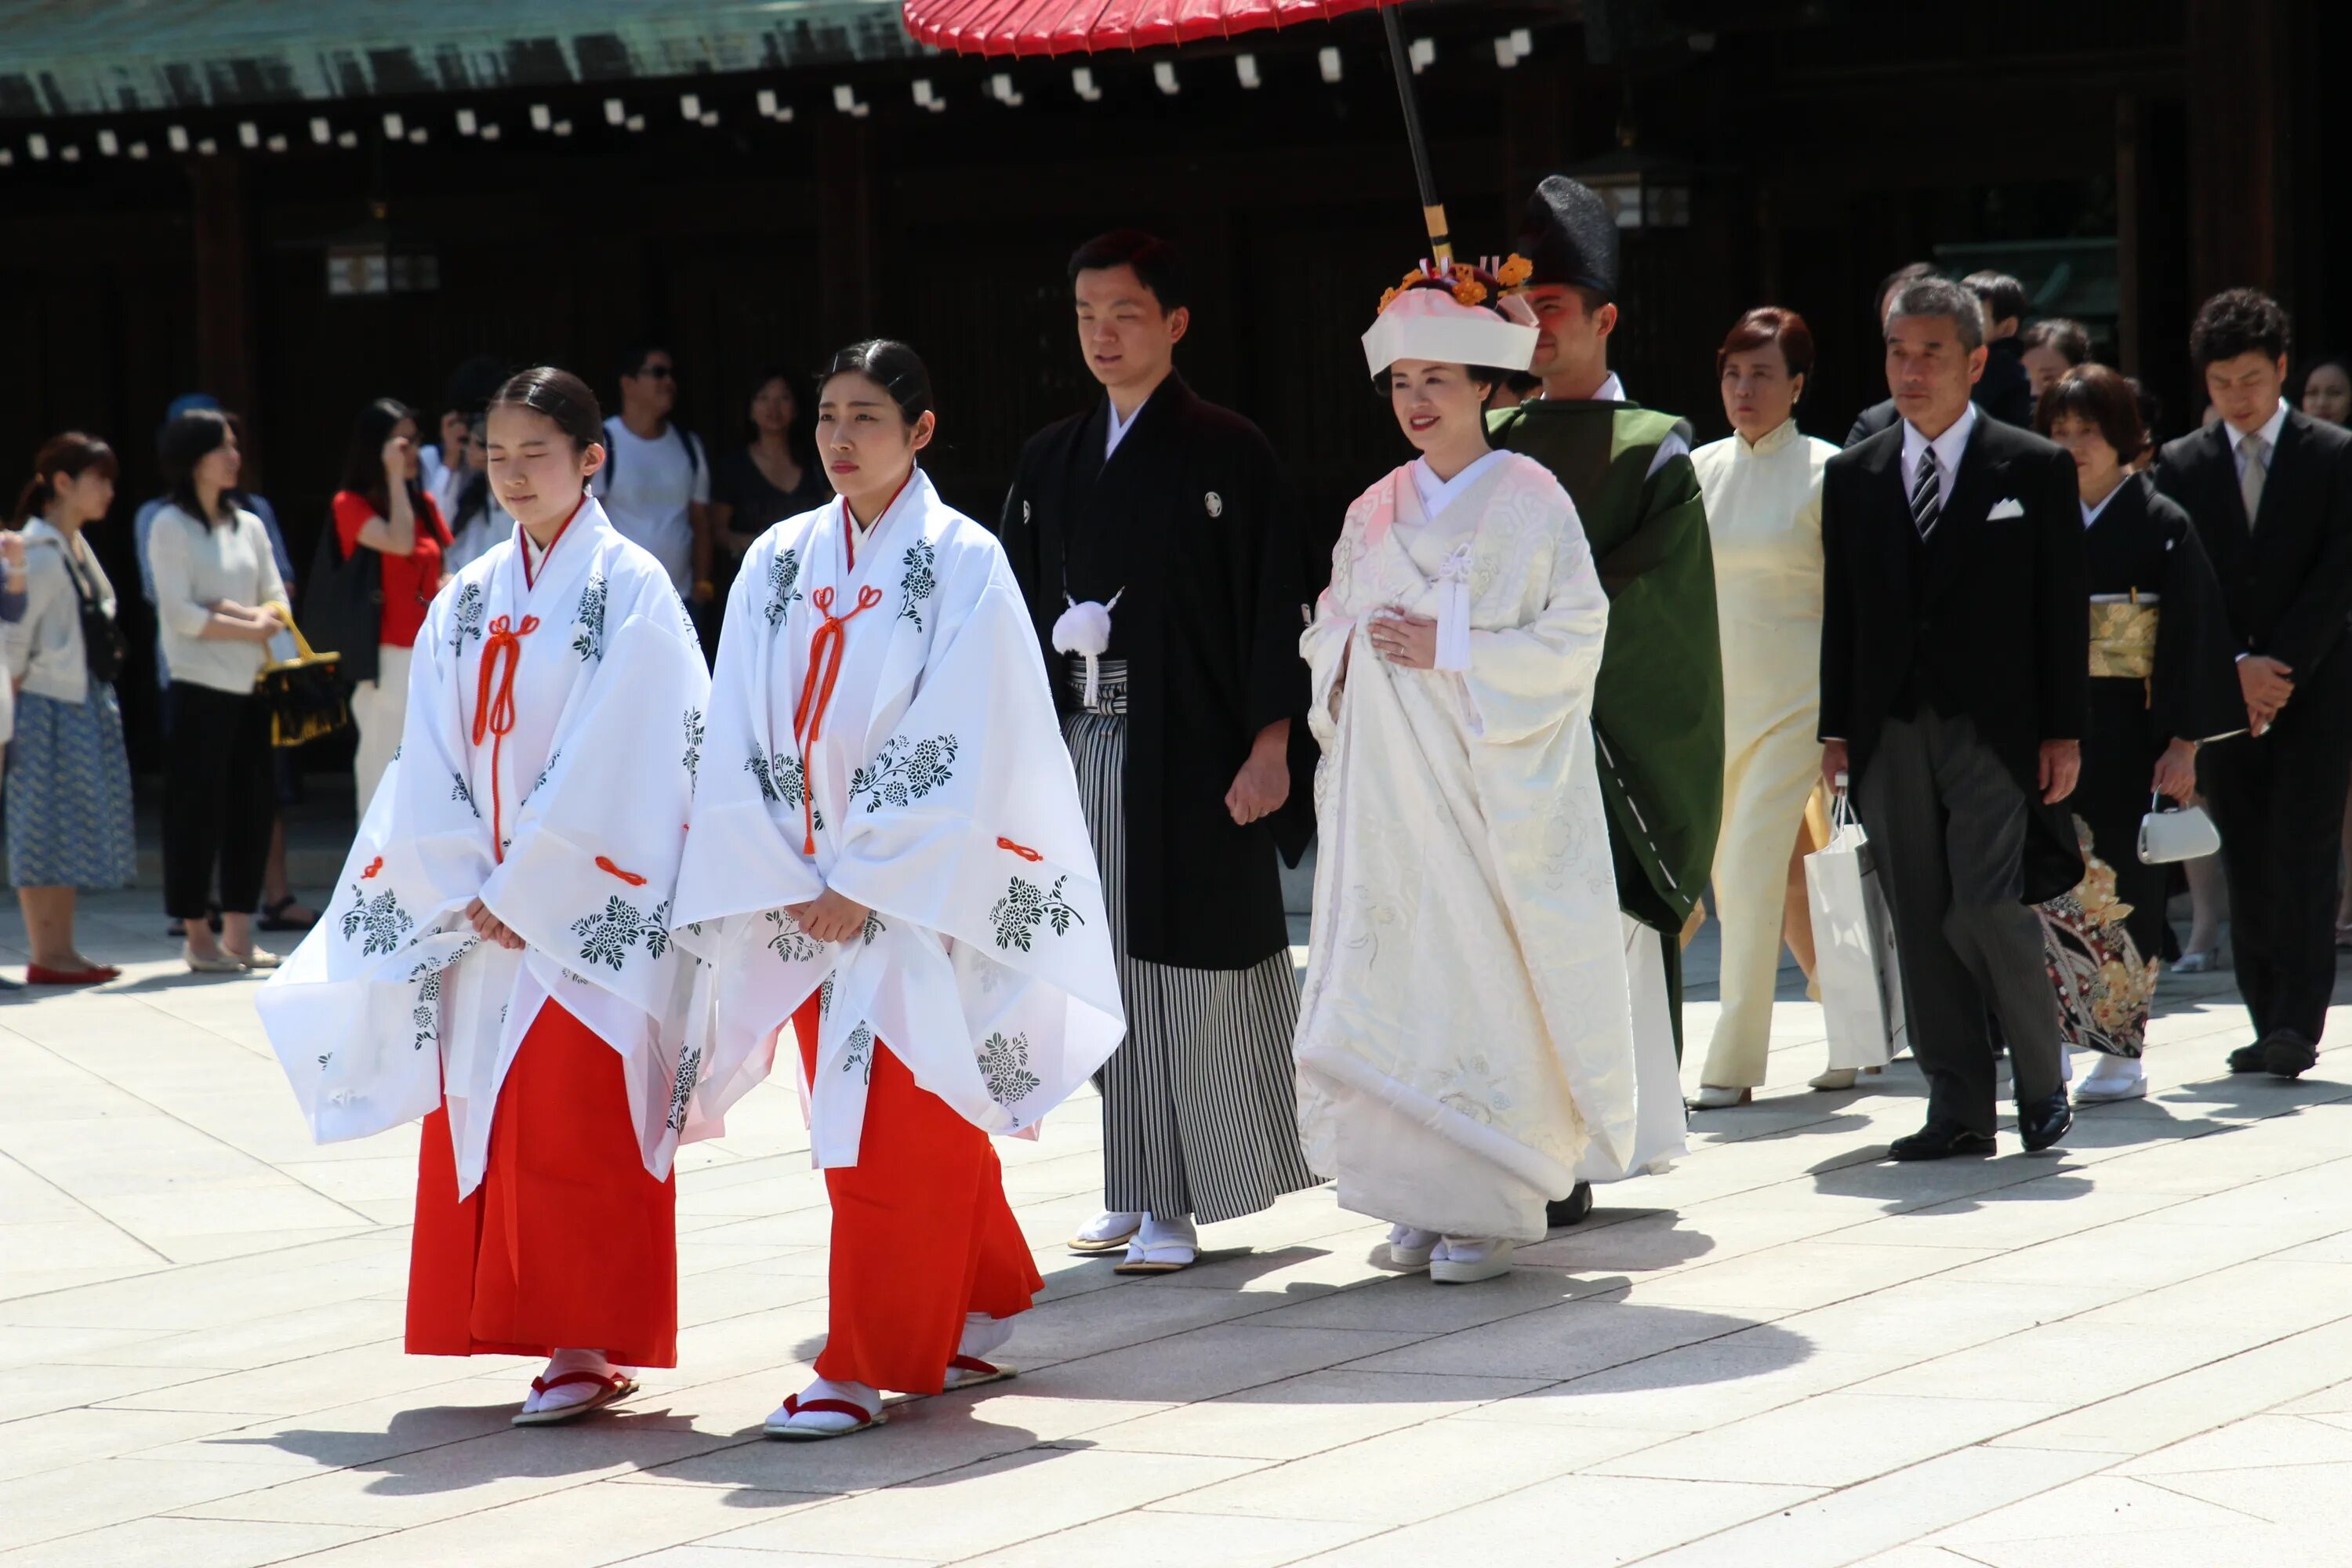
<point x="1441" y="243"/>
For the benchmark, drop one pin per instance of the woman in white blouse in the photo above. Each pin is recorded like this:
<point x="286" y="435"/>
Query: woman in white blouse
<point x="1763" y="490"/>
<point x="218" y="600"/>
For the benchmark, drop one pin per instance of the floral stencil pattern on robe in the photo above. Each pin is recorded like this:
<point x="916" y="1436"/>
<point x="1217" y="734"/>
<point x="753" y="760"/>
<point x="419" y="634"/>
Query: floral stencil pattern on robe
<point x="381" y="920"/>
<point x="919" y="581"/>
<point x="694" y="731"/>
<point x="465" y="618"/>
<point x="427" y="1014"/>
<point x="1025" y="906"/>
<point x="791" y="945"/>
<point x="1004" y="1067"/>
<point x="461" y="790"/>
<point x="784" y="585"/>
<point x="588" y="641"/>
<point x="859" y="1058"/>
<point x="607" y="936"/>
<point x="900" y="773"/>
<point x="681" y="1093"/>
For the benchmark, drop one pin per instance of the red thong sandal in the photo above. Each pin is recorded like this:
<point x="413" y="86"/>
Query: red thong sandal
<point x="616" y="1386"/>
<point x="970" y="1371"/>
<point x="795" y="1406"/>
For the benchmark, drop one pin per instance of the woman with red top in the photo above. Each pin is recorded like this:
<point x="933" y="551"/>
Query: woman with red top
<point x="384" y="506"/>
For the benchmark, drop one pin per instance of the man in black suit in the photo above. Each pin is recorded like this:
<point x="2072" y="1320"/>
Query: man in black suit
<point x="1954" y="677"/>
<point x="2270" y="492"/>
<point x="1882" y="415"/>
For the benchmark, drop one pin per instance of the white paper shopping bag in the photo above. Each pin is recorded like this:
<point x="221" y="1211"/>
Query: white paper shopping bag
<point x="1854" y="946"/>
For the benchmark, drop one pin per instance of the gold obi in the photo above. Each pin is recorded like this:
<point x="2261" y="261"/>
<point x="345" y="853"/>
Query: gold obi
<point x="2123" y="635"/>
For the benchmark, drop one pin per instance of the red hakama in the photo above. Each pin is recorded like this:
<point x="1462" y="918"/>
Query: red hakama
<point x="921" y="1234"/>
<point x="568" y="1243"/>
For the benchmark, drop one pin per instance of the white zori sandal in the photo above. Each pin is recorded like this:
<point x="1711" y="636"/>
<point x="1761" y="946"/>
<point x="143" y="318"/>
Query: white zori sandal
<point x="1467" y="1259"/>
<point x="612" y="1386"/>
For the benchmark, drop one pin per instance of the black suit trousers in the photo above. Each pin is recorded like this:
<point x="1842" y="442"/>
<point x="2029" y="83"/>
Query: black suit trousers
<point x="2278" y="800"/>
<point x="1948" y="828"/>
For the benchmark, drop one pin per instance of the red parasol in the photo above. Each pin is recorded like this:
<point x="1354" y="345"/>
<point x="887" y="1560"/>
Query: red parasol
<point x="1022" y="27"/>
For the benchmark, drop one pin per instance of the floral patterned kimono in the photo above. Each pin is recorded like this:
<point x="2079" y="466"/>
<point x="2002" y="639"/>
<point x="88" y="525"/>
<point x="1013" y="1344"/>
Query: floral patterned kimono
<point x="880" y="725"/>
<point x="555" y="707"/>
<point x="1467" y="1028"/>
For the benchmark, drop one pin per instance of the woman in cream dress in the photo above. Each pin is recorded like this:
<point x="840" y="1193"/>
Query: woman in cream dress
<point x="1763" y="490"/>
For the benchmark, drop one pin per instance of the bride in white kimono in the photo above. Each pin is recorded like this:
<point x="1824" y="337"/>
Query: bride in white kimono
<point x="1465" y="1036"/>
<point x="887" y="859"/>
<point x="498" y="961"/>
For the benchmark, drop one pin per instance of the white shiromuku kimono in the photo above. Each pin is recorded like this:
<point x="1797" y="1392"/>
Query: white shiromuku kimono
<point x="885" y="730"/>
<point x="552" y="730"/>
<point x="1464" y="1032"/>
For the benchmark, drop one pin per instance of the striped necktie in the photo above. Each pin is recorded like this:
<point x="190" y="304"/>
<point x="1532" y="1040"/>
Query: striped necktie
<point x="1926" y="501"/>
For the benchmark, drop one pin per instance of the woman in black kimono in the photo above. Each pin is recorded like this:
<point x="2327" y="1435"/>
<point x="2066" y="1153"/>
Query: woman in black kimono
<point x="2163" y="679"/>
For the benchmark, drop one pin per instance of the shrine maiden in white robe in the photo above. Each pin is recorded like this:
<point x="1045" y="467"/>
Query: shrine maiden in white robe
<point x="885" y="730"/>
<point x="546" y="768"/>
<point x="1464" y="1035"/>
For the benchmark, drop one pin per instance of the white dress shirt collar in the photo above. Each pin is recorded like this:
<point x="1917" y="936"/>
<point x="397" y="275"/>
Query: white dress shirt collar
<point x="1610" y="391"/>
<point x="1437" y="494"/>
<point x="1949" y="448"/>
<point x="2269" y="433"/>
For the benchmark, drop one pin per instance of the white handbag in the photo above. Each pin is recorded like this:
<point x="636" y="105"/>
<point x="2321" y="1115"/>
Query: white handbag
<point x="2164" y="836"/>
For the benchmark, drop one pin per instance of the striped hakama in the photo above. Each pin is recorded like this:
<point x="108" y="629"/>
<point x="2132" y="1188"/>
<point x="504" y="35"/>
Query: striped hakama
<point x="1199" y="1107"/>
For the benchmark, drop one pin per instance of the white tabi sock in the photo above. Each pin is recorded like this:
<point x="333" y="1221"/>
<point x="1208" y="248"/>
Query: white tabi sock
<point x="1162" y="1235"/>
<point x="984" y="1334"/>
<point x="1108" y="1224"/>
<point x="866" y="1398"/>
<point x="570" y="1393"/>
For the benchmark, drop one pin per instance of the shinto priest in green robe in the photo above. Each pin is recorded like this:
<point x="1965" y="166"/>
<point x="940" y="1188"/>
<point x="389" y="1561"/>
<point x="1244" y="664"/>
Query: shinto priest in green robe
<point x="1657" y="708"/>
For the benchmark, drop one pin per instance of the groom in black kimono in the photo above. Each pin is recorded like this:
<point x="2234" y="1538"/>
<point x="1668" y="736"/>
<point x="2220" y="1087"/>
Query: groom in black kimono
<point x="1170" y="514"/>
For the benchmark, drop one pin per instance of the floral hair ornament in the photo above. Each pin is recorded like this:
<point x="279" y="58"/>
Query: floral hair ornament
<point x="1455" y="314"/>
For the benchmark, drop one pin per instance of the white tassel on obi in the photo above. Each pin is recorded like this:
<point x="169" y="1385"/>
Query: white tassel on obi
<point x="1085" y="629"/>
<point x="923" y="778"/>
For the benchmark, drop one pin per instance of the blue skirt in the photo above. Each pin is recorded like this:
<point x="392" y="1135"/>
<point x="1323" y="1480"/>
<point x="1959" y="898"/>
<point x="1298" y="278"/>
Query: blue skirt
<point x="69" y="794"/>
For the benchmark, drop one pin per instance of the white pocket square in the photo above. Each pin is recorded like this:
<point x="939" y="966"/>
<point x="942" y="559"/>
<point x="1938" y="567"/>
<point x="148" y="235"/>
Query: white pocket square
<point x="2010" y="508"/>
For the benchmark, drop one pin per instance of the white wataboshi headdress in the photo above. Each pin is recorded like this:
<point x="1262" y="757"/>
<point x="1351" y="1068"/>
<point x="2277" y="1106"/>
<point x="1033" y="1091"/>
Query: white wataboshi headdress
<point x="1449" y="319"/>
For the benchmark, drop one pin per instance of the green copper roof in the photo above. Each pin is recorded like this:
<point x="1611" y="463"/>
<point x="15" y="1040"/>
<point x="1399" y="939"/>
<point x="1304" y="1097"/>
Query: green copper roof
<point x="93" y="57"/>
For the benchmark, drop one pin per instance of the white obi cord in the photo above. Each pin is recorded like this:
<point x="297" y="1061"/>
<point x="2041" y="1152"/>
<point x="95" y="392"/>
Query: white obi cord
<point x="1453" y="611"/>
<point x="1085" y="629"/>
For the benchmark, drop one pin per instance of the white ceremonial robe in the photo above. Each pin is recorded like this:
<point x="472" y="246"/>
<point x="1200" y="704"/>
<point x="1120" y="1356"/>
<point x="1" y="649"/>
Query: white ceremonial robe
<point x="936" y="792"/>
<point x="546" y="768"/>
<point x="1465" y="1028"/>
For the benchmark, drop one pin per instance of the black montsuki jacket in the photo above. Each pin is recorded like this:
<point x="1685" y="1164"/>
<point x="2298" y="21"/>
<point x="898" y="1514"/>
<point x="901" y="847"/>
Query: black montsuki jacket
<point x="1190" y="521"/>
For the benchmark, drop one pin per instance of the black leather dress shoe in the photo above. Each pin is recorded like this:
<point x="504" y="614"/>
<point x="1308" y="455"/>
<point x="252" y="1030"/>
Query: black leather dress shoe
<point x="1573" y="1209"/>
<point x="2251" y="1058"/>
<point x="2044" y="1122"/>
<point x="2287" y="1053"/>
<point x="1940" y="1140"/>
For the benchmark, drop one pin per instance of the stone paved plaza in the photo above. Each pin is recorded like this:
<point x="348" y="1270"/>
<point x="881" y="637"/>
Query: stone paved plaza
<point x="2137" y="1351"/>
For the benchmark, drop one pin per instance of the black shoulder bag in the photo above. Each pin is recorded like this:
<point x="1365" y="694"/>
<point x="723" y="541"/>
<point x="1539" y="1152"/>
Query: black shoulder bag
<point x="102" y="647"/>
<point x="342" y="603"/>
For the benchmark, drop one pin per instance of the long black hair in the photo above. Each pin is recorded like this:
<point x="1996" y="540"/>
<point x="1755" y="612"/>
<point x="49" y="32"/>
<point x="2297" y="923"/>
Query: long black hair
<point x="800" y="437"/>
<point x="562" y="397"/>
<point x="185" y="441"/>
<point x="364" y="457"/>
